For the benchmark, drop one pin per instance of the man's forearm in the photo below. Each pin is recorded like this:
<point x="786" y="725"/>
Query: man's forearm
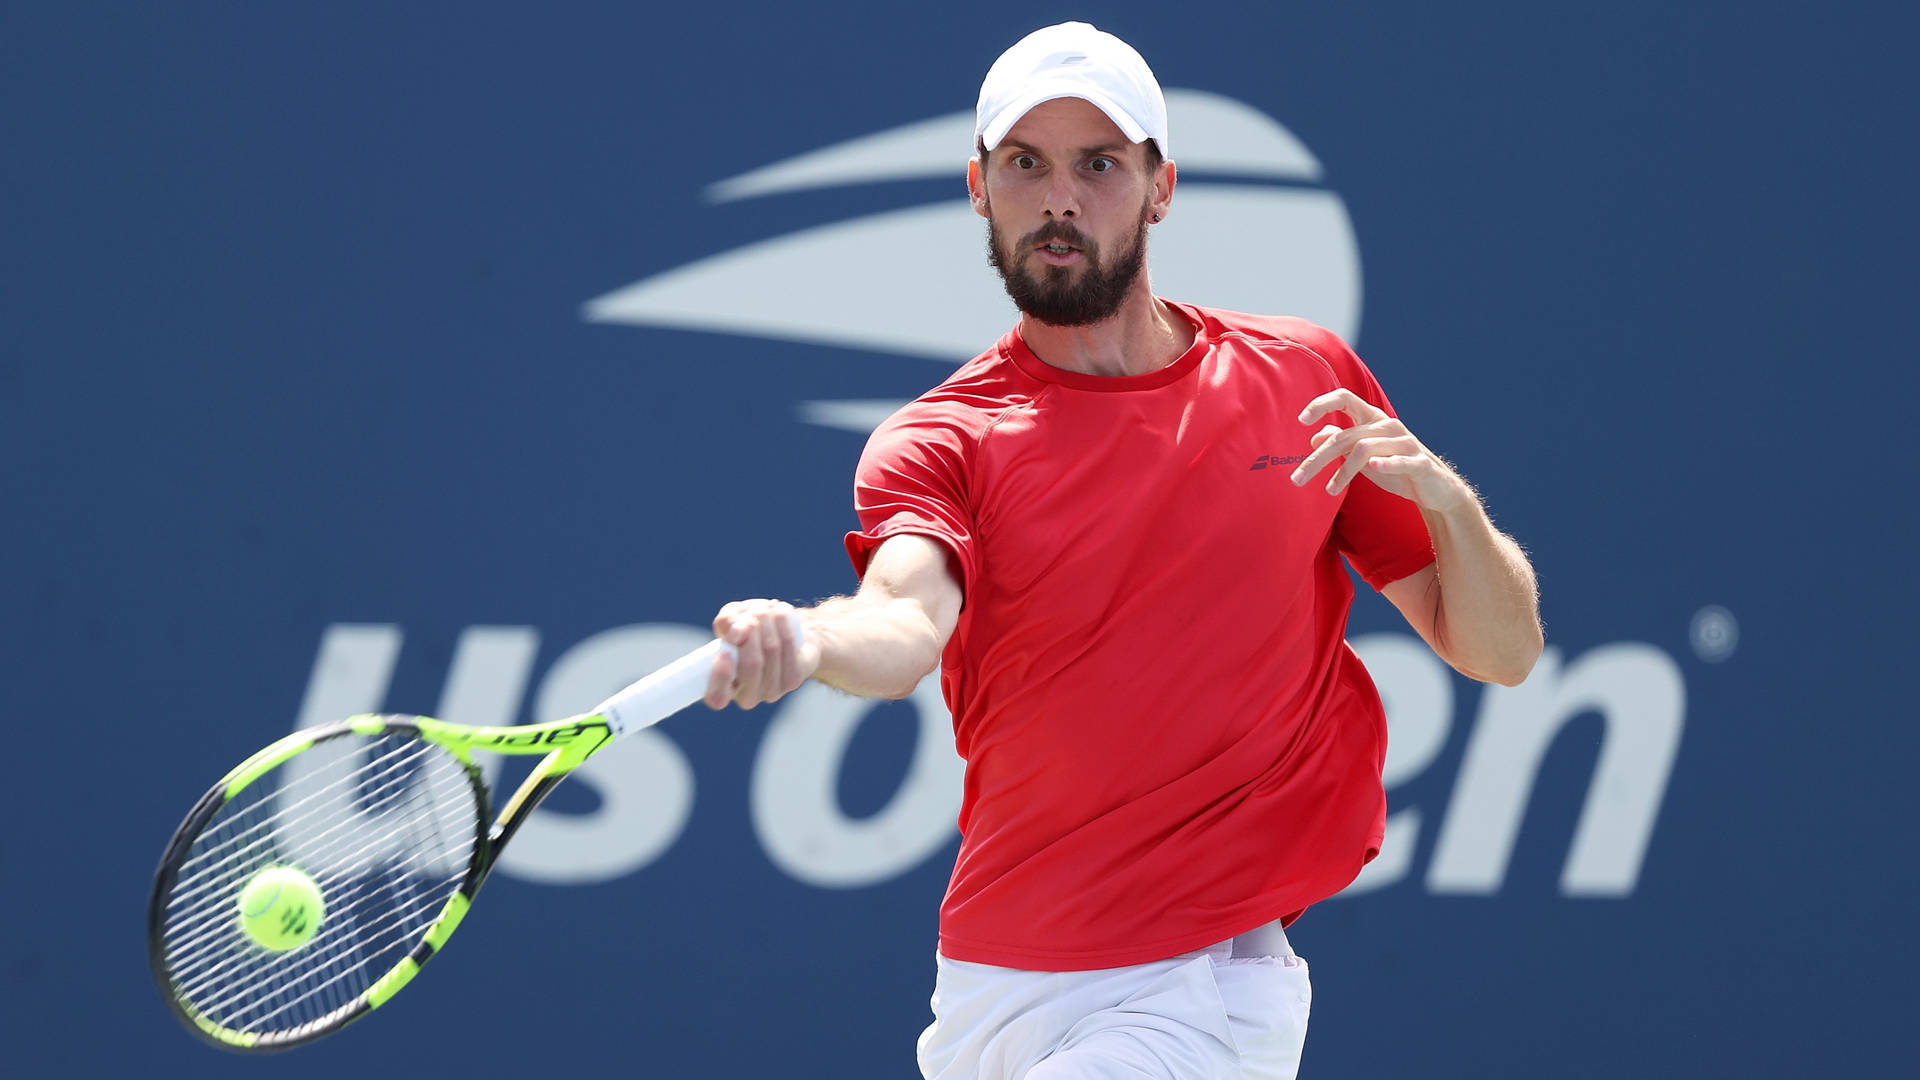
<point x="878" y="643"/>
<point x="1486" y="616"/>
<point x="872" y="646"/>
<point x="1479" y="609"/>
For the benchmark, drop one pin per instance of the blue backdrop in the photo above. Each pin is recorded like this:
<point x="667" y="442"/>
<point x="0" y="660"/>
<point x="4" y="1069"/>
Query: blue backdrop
<point x="460" y="359"/>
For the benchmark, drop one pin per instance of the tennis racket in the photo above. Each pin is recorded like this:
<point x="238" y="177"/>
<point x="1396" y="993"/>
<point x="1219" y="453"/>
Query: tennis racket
<point x="391" y="819"/>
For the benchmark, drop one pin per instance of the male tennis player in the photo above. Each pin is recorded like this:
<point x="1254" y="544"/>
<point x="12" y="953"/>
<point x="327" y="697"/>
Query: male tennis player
<point x="1119" y="532"/>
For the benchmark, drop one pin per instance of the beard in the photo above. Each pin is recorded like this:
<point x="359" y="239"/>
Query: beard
<point x="1052" y="296"/>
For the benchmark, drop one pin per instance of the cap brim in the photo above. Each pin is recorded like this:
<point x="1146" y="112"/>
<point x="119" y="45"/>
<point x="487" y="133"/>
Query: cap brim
<point x="1004" y="120"/>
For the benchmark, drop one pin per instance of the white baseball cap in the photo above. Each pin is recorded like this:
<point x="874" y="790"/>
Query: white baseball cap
<point x="1072" y="59"/>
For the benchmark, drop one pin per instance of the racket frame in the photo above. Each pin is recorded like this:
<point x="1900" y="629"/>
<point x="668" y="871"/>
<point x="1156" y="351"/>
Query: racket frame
<point x="565" y="744"/>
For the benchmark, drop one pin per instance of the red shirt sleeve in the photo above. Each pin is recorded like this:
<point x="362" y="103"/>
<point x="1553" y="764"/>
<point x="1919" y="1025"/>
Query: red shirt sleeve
<point x="912" y="478"/>
<point x="1381" y="534"/>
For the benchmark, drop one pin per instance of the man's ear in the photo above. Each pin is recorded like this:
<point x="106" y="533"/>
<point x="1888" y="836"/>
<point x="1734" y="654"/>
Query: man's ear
<point x="977" y="187"/>
<point x="1161" y="200"/>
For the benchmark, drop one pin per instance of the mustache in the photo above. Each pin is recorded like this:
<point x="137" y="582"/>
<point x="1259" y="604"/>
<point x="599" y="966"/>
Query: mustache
<point x="1059" y="231"/>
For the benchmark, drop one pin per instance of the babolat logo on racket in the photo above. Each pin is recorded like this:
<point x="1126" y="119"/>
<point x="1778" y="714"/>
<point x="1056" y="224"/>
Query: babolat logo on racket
<point x="1242" y="174"/>
<point x="555" y="737"/>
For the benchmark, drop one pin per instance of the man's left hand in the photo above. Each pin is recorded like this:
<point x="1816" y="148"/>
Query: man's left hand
<point x="1380" y="446"/>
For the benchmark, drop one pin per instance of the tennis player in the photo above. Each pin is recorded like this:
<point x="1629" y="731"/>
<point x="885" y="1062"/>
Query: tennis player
<point x="1120" y="534"/>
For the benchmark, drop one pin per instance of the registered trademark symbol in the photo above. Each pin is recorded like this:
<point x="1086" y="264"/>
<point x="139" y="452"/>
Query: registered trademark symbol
<point x="1715" y="633"/>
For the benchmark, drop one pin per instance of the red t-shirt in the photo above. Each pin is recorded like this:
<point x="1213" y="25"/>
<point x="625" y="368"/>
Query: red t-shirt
<point x="1168" y="741"/>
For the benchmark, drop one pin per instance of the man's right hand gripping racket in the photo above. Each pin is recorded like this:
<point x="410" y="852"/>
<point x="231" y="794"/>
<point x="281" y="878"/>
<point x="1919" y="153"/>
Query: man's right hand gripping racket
<point x="316" y="877"/>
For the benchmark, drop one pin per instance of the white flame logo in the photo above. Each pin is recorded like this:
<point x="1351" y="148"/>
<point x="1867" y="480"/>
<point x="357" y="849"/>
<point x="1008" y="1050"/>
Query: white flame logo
<point x="1251" y="245"/>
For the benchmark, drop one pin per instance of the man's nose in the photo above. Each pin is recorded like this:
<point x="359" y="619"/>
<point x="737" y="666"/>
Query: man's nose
<point x="1061" y="200"/>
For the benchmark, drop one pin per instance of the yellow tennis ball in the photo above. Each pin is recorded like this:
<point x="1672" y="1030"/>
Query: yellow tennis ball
<point x="281" y="908"/>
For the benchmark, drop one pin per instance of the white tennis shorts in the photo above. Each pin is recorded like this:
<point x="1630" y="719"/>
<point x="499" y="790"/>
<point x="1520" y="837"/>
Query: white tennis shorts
<point x="1231" y="1011"/>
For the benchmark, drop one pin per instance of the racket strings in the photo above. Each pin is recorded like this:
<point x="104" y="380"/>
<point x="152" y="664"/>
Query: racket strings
<point x="358" y="945"/>
<point x="214" y="920"/>
<point x="398" y="911"/>
<point x="340" y="962"/>
<point x="261" y="833"/>
<point x="194" y="902"/>
<point x="357" y="895"/>
<point x="385" y="826"/>
<point x="266" y="840"/>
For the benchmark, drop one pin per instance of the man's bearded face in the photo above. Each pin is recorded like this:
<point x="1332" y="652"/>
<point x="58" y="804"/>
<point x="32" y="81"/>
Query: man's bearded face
<point x="1055" y="295"/>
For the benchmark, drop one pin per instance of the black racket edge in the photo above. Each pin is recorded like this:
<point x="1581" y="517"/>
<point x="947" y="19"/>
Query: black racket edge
<point x="479" y="865"/>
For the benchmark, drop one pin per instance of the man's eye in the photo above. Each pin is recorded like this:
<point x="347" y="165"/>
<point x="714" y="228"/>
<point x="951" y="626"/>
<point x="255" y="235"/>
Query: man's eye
<point x="1101" y="164"/>
<point x="1024" y="161"/>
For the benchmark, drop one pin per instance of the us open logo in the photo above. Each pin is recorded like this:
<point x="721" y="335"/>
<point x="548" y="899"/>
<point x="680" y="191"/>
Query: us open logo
<point x="1251" y="230"/>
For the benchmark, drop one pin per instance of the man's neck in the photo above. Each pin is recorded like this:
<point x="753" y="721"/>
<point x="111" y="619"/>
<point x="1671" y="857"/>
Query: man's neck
<point x="1144" y="335"/>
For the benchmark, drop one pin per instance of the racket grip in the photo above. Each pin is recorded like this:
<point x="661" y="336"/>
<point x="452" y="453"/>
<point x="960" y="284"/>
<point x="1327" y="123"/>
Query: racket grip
<point x="669" y="689"/>
<point x="664" y="692"/>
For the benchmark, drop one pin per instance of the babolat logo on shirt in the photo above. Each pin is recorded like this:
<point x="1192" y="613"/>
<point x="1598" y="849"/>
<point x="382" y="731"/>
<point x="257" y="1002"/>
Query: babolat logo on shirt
<point x="1275" y="460"/>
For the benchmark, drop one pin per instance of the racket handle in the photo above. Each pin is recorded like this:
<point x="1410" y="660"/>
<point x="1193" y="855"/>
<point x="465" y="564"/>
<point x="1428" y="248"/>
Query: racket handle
<point x="664" y="692"/>
<point x="670" y="689"/>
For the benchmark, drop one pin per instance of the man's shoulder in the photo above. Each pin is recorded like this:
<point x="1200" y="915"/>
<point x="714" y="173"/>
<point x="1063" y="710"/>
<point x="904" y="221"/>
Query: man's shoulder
<point x="967" y="402"/>
<point x="1268" y="329"/>
<point x="977" y="391"/>
<point x="1285" y="338"/>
